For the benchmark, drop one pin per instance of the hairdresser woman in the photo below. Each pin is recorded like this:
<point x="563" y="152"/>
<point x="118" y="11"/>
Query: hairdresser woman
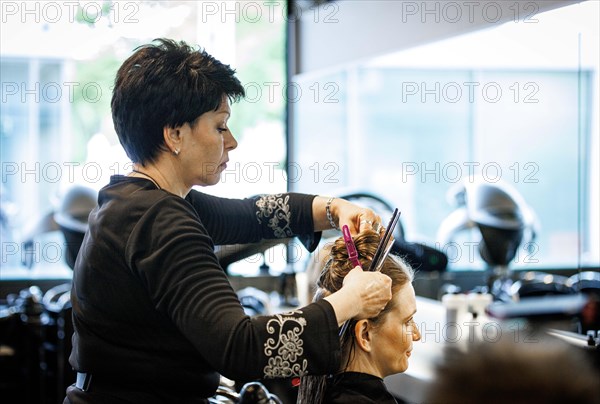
<point x="156" y="320"/>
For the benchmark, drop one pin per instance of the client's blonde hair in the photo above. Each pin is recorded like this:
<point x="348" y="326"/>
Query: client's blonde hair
<point x="331" y="280"/>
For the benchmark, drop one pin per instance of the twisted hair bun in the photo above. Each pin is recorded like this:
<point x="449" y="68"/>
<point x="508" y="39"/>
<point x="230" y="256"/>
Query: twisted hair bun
<point x="337" y="267"/>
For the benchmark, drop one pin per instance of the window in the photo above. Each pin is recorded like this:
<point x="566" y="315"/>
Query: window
<point x="58" y="63"/>
<point x="514" y="105"/>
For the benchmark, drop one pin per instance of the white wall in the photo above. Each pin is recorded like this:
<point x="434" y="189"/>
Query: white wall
<point x="345" y="31"/>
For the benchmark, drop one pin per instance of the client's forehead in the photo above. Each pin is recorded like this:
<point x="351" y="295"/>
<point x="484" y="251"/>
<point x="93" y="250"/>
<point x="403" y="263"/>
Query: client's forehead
<point x="406" y="304"/>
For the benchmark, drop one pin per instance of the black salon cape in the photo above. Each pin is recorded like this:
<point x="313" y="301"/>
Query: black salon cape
<point x="155" y="317"/>
<point x="357" y="388"/>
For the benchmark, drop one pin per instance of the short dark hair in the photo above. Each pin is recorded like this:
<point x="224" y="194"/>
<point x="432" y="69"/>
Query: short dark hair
<point x="166" y="84"/>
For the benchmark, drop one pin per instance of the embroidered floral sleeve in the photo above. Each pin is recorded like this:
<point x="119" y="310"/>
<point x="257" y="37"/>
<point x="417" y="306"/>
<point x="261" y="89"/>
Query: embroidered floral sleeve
<point x="275" y="211"/>
<point x="260" y="217"/>
<point x="284" y="347"/>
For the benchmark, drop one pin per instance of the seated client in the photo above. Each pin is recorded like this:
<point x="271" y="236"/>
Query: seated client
<point x="373" y="348"/>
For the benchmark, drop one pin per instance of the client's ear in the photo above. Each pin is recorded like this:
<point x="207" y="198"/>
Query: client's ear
<point x="362" y="335"/>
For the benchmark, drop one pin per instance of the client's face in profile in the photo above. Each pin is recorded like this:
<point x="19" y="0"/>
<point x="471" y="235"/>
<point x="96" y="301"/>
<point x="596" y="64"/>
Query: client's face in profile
<point x="390" y="342"/>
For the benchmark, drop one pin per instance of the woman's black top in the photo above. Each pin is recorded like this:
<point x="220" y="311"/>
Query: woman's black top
<point x="357" y="388"/>
<point x="154" y="314"/>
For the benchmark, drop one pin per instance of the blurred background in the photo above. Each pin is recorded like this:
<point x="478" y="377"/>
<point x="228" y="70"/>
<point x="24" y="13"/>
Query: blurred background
<point x="478" y="120"/>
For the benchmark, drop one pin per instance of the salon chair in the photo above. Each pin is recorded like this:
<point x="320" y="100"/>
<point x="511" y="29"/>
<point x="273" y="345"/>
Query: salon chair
<point x="588" y="284"/>
<point x="250" y="393"/>
<point x="56" y="333"/>
<point x="72" y="218"/>
<point x="502" y="221"/>
<point x="536" y="284"/>
<point x="55" y="327"/>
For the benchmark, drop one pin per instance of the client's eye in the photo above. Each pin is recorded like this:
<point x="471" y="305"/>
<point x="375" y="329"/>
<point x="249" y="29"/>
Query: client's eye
<point x="221" y="130"/>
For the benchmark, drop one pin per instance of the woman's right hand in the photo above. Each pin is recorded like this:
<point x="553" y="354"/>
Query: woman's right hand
<point x="363" y="295"/>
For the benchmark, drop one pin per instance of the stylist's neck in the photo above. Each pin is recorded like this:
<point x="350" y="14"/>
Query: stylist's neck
<point x="167" y="173"/>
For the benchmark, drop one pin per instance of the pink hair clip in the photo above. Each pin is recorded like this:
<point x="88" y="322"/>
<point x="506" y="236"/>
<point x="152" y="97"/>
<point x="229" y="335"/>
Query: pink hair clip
<point x="352" y="253"/>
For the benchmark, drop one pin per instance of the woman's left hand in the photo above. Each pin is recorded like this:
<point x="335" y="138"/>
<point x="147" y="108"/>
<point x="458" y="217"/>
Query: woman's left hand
<point x="343" y="213"/>
<point x="355" y="217"/>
